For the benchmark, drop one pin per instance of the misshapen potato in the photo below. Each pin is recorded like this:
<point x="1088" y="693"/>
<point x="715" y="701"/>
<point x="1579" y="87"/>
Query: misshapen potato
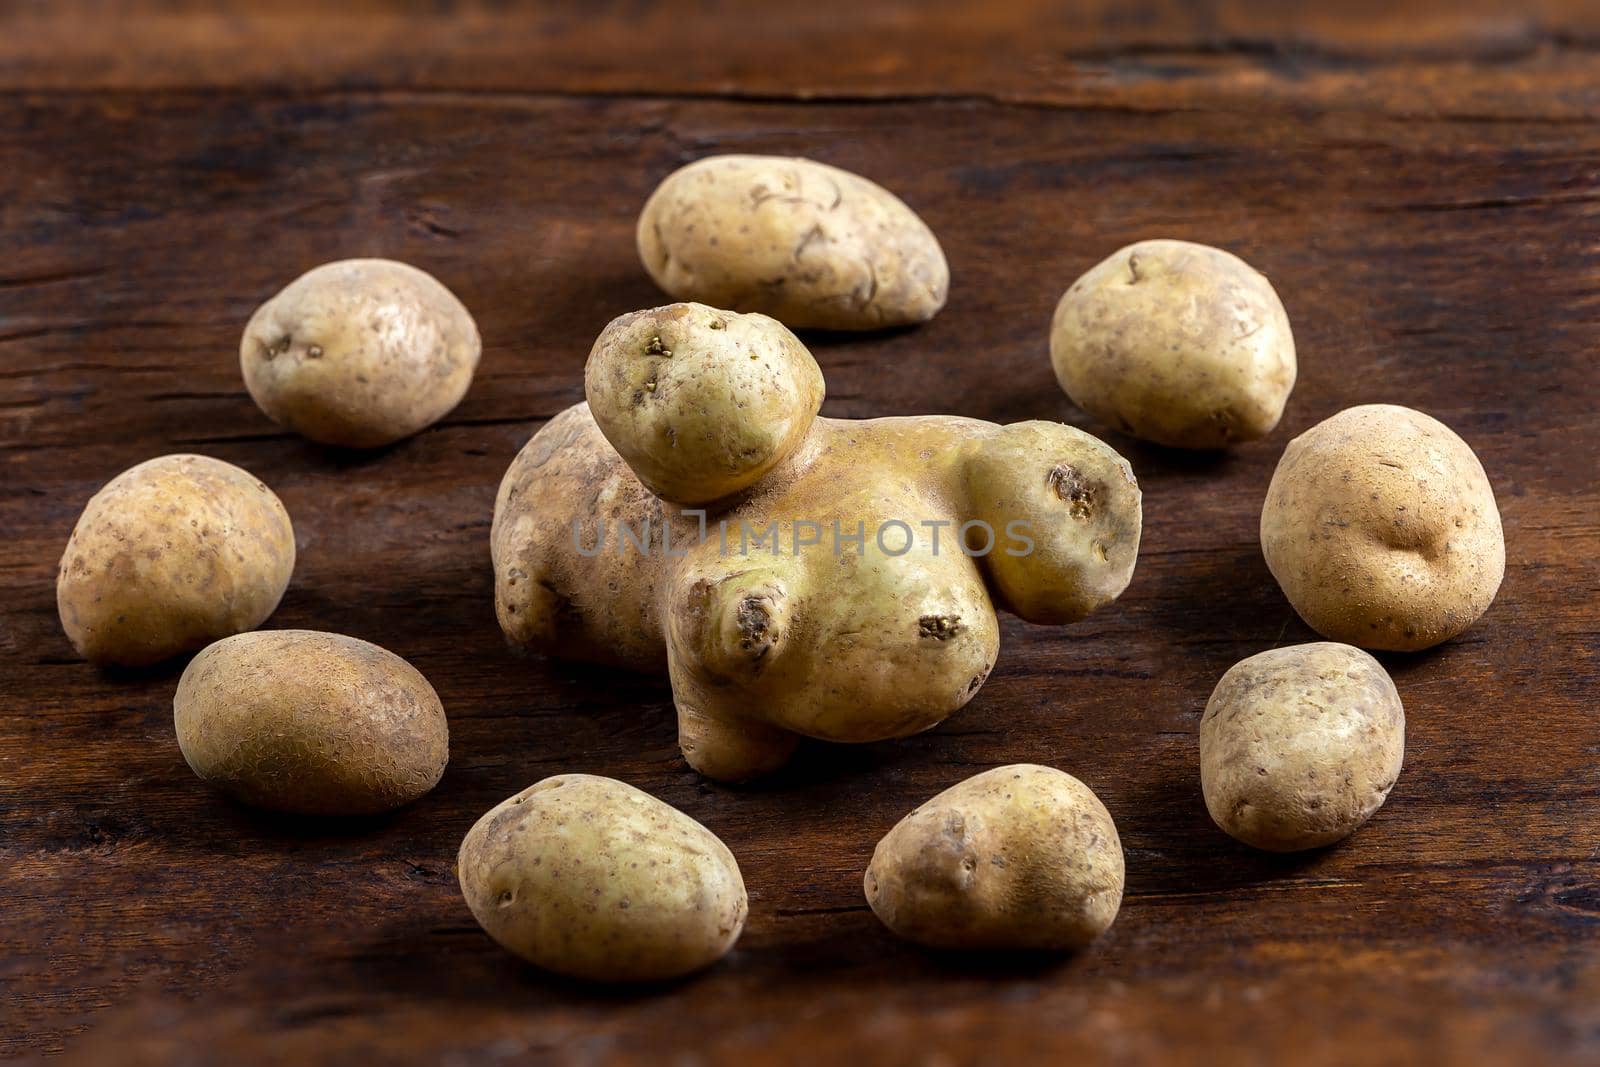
<point x="360" y="353"/>
<point x="774" y="624"/>
<point x="590" y="877"/>
<point x="1299" y="746"/>
<point x="310" y="723"/>
<point x="809" y="244"/>
<point x="169" y="556"/>
<point x="1176" y="343"/>
<point x="1020" y="857"/>
<point x="1382" y="529"/>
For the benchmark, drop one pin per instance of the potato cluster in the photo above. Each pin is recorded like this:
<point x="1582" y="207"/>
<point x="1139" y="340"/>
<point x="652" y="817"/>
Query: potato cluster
<point x="794" y="575"/>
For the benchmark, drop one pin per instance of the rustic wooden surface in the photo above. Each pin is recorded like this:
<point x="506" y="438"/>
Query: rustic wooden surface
<point x="1419" y="181"/>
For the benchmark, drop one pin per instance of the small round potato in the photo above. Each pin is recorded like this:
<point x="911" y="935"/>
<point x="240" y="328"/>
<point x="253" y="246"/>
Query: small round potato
<point x="1382" y="530"/>
<point x="1300" y="745"/>
<point x="169" y="556"/>
<point x="310" y="723"/>
<point x="809" y="244"/>
<point x="360" y="353"/>
<point x="1176" y="343"/>
<point x="701" y="403"/>
<point x="592" y="878"/>
<point x="1020" y="857"/>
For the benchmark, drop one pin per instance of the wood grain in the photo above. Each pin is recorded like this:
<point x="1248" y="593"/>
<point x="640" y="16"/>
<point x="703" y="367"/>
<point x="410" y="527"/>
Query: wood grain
<point x="1420" y="185"/>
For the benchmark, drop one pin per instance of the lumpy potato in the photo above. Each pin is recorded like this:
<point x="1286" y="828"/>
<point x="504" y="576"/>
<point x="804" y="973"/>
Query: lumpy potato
<point x="311" y="723"/>
<point x="169" y="556"/>
<point x="1300" y="745"/>
<point x="592" y="878"/>
<point x="809" y="244"/>
<point x="1020" y="857"/>
<point x="1382" y="529"/>
<point x="1176" y="343"/>
<point x="360" y="353"/>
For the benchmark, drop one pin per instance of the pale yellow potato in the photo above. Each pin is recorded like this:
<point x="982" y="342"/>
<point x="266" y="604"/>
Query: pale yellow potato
<point x="310" y="723"/>
<point x="1382" y="529"/>
<point x="1299" y="746"/>
<point x="360" y="353"/>
<point x="701" y="403"/>
<point x="809" y="244"/>
<point x="1176" y="343"/>
<point x="804" y="610"/>
<point x="589" y="877"/>
<point x="1020" y="857"/>
<point x="169" y="556"/>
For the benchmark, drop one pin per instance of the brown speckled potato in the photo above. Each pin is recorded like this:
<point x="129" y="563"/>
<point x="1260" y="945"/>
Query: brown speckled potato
<point x="1300" y="745"/>
<point x="809" y="244"/>
<point x="169" y="556"/>
<point x="590" y="877"/>
<point x="1020" y="857"/>
<point x="1176" y="343"/>
<point x="310" y="723"/>
<point x="360" y="353"/>
<point x="798" y="635"/>
<point x="1382" y="529"/>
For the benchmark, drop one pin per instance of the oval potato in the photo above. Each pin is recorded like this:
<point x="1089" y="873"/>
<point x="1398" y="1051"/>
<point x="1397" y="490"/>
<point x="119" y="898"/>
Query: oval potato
<point x="169" y="556"/>
<point x="1020" y="857"/>
<point x="1300" y="745"/>
<point x="590" y="877"/>
<point x="1176" y="343"/>
<point x="311" y="723"/>
<point x="360" y="353"/>
<point x="1382" y="529"/>
<point x="809" y="244"/>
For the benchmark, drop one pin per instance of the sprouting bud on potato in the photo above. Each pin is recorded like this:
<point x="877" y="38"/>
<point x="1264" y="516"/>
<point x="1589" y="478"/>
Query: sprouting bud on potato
<point x="1382" y="529"/>
<point x="169" y="556"/>
<point x="360" y="353"/>
<point x="589" y="877"/>
<point x="1176" y="343"/>
<point x="1300" y="745"/>
<point x="1020" y="857"/>
<point x="310" y="723"/>
<point x="808" y="244"/>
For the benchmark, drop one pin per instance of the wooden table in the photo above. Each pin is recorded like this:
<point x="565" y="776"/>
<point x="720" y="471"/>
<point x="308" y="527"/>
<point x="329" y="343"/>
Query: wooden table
<point x="1419" y="181"/>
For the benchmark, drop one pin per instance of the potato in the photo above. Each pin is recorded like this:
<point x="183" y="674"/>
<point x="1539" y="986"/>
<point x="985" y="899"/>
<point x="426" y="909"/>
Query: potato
<point x="809" y="244"/>
<point x="169" y="556"/>
<point x="360" y="353"/>
<point x="1300" y="745"/>
<point x="1175" y="343"/>
<point x="310" y="723"/>
<point x="1020" y="857"/>
<point x="1382" y="530"/>
<point x="700" y="402"/>
<point x="592" y="878"/>
<point x="838" y="579"/>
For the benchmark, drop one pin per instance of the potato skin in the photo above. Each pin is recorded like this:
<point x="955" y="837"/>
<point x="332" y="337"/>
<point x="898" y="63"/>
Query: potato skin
<point x="589" y="877"/>
<point x="360" y="353"/>
<point x="1176" y="343"/>
<point x="169" y="556"/>
<point x="1299" y="746"/>
<point x="809" y="244"/>
<point x="1019" y="857"/>
<point x="1382" y="529"/>
<point x="310" y="723"/>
